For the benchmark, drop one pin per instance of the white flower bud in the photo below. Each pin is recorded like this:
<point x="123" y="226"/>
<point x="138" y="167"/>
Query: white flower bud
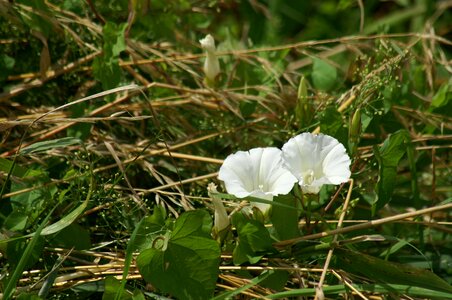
<point x="211" y="64"/>
<point x="221" y="220"/>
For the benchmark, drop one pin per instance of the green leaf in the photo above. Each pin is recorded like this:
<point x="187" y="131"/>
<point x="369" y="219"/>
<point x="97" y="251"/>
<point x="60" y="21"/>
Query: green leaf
<point x="253" y="240"/>
<point x="39" y="18"/>
<point x="11" y="281"/>
<point x="107" y="72"/>
<point x="276" y="281"/>
<point x="65" y="221"/>
<point x="65" y="238"/>
<point x="147" y="228"/>
<point x="15" y="246"/>
<point x="111" y="286"/>
<point x="114" y="39"/>
<point x="247" y="108"/>
<point x="26" y="296"/>
<point x="150" y="227"/>
<point x="285" y="220"/>
<point x="323" y="75"/>
<point x="304" y="108"/>
<point x="388" y="157"/>
<point x="331" y="121"/>
<point x="51" y="144"/>
<point x="138" y="295"/>
<point x="442" y="97"/>
<point x="16" y="221"/>
<point x="186" y="265"/>
<point x="6" y="165"/>
<point x="6" y="66"/>
<point x="384" y="271"/>
<point x="31" y="203"/>
<point x="79" y="130"/>
<point x="57" y="226"/>
<point x="106" y="67"/>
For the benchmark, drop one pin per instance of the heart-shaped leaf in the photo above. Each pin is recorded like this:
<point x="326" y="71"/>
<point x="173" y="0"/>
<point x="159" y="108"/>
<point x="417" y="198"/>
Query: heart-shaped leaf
<point x="186" y="264"/>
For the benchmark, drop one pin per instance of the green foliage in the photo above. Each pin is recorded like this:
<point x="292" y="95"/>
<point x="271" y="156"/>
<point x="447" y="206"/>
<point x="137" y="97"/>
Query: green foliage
<point x="388" y="157"/>
<point x="185" y="260"/>
<point x="442" y="97"/>
<point x="48" y="145"/>
<point x="285" y="220"/>
<point x="323" y="75"/>
<point x="304" y="107"/>
<point x="66" y="220"/>
<point x="389" y="272"/>
<point x="332" y="123"/>
<point x="6" y="66"/>
<point x="253" y="239"/>
<point x="112" y="286"/>
<point x="27" y="207"/>
<point x="64" y="238"/>
<point x="106" y="67"/>
<point x="27" y="252"/>
<point x="27" y="296"/>
<point x="142" y="238"/>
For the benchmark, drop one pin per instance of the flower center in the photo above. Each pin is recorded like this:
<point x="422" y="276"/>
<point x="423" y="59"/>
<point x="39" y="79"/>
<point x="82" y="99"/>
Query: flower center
<point x="308" y="177"/>
<point x="261" y="187"/>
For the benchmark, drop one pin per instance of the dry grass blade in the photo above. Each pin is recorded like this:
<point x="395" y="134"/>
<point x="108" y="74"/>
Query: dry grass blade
<point x="370" y="224"/>
<point x="319" y="292"/>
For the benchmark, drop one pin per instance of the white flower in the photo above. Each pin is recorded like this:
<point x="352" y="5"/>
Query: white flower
<point x="211" y="64"/>
<point x="258" y="173"/>
<point x="316" y="160"/>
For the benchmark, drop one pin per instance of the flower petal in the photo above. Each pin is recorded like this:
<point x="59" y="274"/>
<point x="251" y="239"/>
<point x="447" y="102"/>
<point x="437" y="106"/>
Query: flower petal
<point x="235" y="172"/>
<point x="208" y="43"/>
<point x="336" y="165"/>
<point x="297" y="155"/>
<point x="271" y="177"/>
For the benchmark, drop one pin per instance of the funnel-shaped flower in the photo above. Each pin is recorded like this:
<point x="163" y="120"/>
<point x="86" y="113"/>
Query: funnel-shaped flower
<point x="211" y="64"/>
<point x="316" y="160"/>
<point x="258" y="173"/>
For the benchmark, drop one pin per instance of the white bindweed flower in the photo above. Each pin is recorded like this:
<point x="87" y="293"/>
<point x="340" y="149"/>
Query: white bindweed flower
<point x="211" y="64"/>
<point x="258" y="173"/>
<point x="316" y="160"/>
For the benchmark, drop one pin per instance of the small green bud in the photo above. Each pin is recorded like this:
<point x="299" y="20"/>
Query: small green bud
<point x="303" y="108"/>
<point x="354" y="133"/>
